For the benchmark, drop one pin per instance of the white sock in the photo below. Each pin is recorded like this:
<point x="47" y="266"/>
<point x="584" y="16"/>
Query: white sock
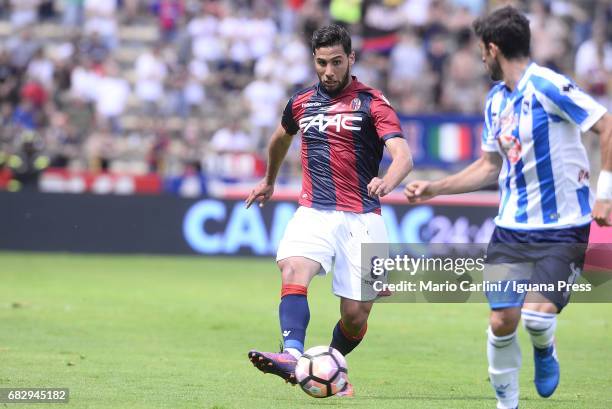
<point x="541" y="326"/>
<point x="296" y="354"/>
<point x="504" y="354"/>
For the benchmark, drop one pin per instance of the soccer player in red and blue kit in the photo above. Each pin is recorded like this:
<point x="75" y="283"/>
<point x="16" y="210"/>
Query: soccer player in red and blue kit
<point x="345" y="126"/>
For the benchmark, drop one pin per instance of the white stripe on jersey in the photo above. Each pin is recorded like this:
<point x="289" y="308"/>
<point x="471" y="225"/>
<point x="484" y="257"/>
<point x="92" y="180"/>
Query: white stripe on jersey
<point x="536" y="129"/>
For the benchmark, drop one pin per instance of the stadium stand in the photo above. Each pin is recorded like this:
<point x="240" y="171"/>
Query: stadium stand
<point x="135" y="87"/>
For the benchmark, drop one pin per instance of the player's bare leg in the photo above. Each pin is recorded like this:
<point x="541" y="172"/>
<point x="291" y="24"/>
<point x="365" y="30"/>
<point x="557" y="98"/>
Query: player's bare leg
<point x="504" y="355"/>
<point x="350" y="330"/>
<point x="294" y="314"/>
<point x="540" y="320"/>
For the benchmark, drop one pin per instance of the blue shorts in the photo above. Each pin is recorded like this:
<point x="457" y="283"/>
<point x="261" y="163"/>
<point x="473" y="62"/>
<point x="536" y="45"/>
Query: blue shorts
<point x="538" y="259"/>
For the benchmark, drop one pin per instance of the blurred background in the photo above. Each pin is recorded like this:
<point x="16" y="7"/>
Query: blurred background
<point x="181" y="95"/>
<point x="177" y="98"/>
<point x="134" y="129"/>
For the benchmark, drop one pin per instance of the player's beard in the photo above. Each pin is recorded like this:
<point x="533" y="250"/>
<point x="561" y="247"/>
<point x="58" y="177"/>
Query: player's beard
<point x="495" y="71"/>
<point x="341" y="85"/>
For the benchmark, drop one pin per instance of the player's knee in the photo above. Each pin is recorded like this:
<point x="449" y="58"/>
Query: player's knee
<point x="533" y="325"/>
<point x="503" y="323"/>
<point x="354" y="323"/>
<point x="536" y="323"/>
<point x="290" y="274"/>
<point x="355" y="317"/>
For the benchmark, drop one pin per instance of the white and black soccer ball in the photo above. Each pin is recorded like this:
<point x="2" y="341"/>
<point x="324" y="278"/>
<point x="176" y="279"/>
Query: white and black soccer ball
<point x="321" y="372"/>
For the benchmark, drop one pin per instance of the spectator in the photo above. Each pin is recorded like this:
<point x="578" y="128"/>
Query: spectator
<point x="198" y="76"/>
<point x="9" y="80"/>
<point x="169" y="14"/>
<point x="368" y="69"/>
<point x="151" y="73"/>
<point x="416" y="12"/>
<point x="80" y="115"/>
<point x="112" y="92"/>
<point x="594" y="65"/>
<point x="24" y="12"/>
<point x="261" y="34"/>
<point x="382" y="22"/>
<point x="157" y="153"/>
<point x="263" y="99"/>
<point x="22" y="48"/>
<point x="84" y="81"/>
<point x="549" y="36"/>
<point x="29" y="160"/>
<point x="46" y="10"/>
<point x="42" y="69"/>
<point x="408" y="63"/>
<point x="73" y="13"/>
<point x="101" y="19"/>
<point x="231" y="138"/>
<point x="24" y="116"/>
<point x="94" y="48"/>
<point x="176" y="102"/>
<point x="34" y="92"/>
<point x="437" y="55"/>
<point x="297" y="64"/>
<point x="463" y="87"/>
<point x="100" y="148"/>
<point x="61" y="141"/>
<point x="131" y="9"/>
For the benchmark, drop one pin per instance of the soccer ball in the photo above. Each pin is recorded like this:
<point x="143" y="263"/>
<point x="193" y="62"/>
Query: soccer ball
<point x="321" y="372"/>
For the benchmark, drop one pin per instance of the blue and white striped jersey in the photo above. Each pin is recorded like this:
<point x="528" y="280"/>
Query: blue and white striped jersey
<point x="544" y="181"/>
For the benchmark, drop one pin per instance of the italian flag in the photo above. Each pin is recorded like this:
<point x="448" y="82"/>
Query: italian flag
<point x="450" y="142"/>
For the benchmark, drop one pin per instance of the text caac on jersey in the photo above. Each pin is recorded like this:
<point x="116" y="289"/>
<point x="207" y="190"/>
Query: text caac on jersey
<point x="342" y="144"/>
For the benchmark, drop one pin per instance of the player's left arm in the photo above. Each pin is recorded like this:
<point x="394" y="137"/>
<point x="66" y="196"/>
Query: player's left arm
<point x="603" y="203"/>
<point x="401" y="165"/>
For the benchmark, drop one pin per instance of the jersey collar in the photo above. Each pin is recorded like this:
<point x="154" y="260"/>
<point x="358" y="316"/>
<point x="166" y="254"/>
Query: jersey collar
<point x="522" y="82"/>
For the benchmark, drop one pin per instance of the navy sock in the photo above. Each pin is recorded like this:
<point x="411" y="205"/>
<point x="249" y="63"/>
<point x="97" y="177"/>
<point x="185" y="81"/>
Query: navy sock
<point x="294" y="316"/>
<point x="344" y="342"/>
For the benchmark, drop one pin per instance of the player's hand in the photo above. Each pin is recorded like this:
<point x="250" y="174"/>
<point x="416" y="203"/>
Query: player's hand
<point x="419" y="191"/>
<point x="378" y="187"/>
<point x="261" y="194"/>
<point x="602" y="212"/>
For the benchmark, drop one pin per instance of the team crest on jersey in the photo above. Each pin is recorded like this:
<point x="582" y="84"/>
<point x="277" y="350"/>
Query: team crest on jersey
<point x="511" y="146"/>
<point x="526" y="106"/>
<point x="355" y="104"/>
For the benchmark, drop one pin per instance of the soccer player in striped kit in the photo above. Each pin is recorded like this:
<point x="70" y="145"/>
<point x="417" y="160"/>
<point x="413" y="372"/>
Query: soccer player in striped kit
<point x="531" y="146"/>
<point x="345" y="126"/>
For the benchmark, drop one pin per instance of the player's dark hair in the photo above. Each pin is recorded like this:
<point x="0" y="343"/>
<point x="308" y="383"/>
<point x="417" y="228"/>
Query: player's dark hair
<point x="331" y="35"/>
<point x="507" y="28"/>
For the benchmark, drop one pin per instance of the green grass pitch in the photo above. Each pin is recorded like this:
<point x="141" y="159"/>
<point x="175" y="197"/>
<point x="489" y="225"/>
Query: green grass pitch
<point x="173" y="332"/>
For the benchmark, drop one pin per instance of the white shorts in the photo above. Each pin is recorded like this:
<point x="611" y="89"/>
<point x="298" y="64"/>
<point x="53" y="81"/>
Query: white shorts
<point x="326" y="236"/>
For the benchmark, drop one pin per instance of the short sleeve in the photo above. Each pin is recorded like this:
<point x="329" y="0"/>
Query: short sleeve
<point x="288" y="121"/>
<point x="571" y="103"/>
<point x="385" y="118"/>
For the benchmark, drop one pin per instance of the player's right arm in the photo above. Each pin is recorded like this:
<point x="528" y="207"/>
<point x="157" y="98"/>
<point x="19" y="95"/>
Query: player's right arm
<point x="481" y="173"/>
<point x="277" y="150"/>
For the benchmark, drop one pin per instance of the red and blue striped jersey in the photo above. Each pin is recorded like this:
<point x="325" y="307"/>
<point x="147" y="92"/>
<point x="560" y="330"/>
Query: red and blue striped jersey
<point x="343" y="139"/>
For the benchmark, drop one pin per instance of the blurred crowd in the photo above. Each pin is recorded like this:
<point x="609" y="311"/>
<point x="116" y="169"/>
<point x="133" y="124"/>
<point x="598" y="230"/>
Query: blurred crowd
<point x="175" y="86"/>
